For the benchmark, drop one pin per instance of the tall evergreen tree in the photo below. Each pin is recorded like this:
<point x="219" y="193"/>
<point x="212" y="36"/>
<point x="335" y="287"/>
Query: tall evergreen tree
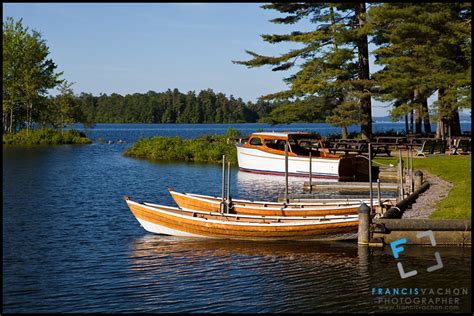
<point x="423" y="49"/>
<point x="334" y="55"/>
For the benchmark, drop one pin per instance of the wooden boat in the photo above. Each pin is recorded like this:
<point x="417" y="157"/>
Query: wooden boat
<point x="265" y="153"/>
<point x="190" y="201"/>
<point x="174" y="221"/>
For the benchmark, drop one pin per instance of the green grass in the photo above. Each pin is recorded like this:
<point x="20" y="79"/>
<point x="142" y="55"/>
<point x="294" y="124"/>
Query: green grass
<point x="204" y="149"/>
<point x="454" y="169"/>
<point x="45" y="137"/>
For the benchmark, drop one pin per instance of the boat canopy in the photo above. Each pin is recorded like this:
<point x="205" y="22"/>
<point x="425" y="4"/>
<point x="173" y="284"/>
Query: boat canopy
<point x="286" y="135"/>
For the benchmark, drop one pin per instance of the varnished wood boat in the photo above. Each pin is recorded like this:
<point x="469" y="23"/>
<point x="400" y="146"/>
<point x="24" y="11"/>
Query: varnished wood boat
<point x="244" y="207"/>
<point x="265" y="153"/>
<point x="174" y="221"/>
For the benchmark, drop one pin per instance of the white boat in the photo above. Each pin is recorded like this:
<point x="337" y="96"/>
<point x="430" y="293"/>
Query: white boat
<point x="265" y="153"/>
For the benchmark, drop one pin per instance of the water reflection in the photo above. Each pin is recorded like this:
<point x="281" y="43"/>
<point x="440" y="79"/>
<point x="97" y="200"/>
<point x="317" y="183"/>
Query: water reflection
<point x="266" y="187"/>
<point x="265" y="276"/>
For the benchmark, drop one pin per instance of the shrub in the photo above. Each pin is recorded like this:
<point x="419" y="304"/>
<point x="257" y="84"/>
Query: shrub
<point x="45" y="137"/>
<point x="207" y="148"/>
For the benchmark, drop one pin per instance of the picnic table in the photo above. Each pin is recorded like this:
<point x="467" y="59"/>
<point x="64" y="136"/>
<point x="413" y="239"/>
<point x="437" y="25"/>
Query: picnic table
<point x="360" y="147"/>
<point x="395" y="142"/>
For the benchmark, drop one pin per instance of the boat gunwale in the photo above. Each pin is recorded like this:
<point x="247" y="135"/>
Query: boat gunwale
<point x="291" y="156"/>
<point x="307" y="221"/>
<point x="283" y="208"/>
<point x="218" y="200"/>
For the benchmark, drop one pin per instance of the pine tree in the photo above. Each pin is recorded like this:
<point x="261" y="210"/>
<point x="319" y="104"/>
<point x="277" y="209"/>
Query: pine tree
<point x="423" y="49"/>
<point x="334" y="56"/>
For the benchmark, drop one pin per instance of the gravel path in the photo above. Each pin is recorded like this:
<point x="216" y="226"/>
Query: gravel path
<point x="424" y="205"/>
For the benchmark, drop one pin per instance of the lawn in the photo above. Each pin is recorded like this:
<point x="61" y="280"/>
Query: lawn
<point x="454" y="169"/>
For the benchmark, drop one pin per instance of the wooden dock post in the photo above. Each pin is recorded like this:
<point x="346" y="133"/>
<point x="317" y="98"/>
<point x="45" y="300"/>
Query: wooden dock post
<point x="363" y="235"/>
<point x="412" y="186"/>
<point x="379" y="198"/>
<point x="228" y="201"/>
<point x="310" y="173"/>
<point x="286" y="172"/>
<point x="222" y="205"/>
<point x="400" y="174"/>
<point x="418" y="180"/>
<point x="370" y="178"/>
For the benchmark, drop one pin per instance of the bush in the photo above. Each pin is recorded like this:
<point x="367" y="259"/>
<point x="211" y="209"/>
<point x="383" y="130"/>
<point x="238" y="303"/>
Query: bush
<point x="207" y="148"/>
<point x="45" y="137"/>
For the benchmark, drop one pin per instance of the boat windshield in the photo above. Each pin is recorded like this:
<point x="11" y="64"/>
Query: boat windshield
<point x="303" y="145"/>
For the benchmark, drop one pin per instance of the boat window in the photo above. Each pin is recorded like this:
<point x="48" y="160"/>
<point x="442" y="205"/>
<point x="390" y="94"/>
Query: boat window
<point x="278" y="144"/>
<point x="298" y="146"/>
<point x="256" y="141"/>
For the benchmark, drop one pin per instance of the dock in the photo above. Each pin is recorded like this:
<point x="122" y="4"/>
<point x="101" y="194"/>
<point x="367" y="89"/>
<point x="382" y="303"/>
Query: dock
<point x="348" y="186"/>
<point x="445" y="232"/>
<point x="396" y="188"/>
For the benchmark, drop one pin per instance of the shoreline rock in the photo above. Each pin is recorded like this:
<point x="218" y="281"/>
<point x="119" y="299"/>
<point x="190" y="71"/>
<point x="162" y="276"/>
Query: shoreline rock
<point x="425" y="203"/>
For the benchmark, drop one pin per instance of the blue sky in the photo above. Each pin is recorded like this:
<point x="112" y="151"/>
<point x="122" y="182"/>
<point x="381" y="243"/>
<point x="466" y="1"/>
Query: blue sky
<point x="127" y="48"/>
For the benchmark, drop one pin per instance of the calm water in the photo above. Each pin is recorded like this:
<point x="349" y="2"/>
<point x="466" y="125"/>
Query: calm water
<point x="70" y="244"/>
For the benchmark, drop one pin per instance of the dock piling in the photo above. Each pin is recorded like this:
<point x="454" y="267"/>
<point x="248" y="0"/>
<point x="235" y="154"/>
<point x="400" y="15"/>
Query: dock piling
<point x="412" y="185"/>
<point x="379" y="198"/>
<point x="310" y="173"/>
<point x="400" y="174"/>
<point x="370" y="177"/>
<point x="363" y="235"/>
<point x="228" y="201"/>
<point x="418" y="179"/>
<point x="222" y="206"/>
<point x="286" y="172"/>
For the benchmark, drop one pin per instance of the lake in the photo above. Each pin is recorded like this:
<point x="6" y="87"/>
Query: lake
<point x="70" y="243"/>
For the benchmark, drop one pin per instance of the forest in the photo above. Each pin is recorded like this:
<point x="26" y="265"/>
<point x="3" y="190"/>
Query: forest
<point x="422" y="50"/>
<point x="171" y="106"/>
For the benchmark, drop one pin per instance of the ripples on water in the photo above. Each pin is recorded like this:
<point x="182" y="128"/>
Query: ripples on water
<point x="70" y="244"/>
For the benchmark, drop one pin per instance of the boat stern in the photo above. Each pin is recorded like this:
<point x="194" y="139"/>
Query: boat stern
<point x="356" y="168"/>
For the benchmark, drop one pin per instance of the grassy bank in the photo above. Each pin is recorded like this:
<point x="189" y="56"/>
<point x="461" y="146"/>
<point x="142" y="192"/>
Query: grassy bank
<point x="454" y="169"/>
<point x="203" y="149"/>
<point x="45" y="137"/>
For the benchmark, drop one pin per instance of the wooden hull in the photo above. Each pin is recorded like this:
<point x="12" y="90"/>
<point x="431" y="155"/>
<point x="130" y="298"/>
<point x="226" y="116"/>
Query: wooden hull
<point x="260" y="161"/>
<point x="212" y="204"/>
<point x="177" y="222"/>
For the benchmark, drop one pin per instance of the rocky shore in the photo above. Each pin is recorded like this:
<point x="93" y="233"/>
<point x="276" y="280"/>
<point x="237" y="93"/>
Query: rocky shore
<point x="425" y="203"/>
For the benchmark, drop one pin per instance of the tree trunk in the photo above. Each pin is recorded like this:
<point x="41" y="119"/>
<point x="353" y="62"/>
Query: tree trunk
<point x="411" y="122"/>
<point x="11" y="119"/>
<point x="364" y="73"/>
<point x="418" y="120"/>
<point x="27" y="119"/>
<point x="344" y="132"/>
<point x="440" y="124"/>
<point x="455" y="124"/>
<point x="406" y="124"/>
<point x="426" y="116"/>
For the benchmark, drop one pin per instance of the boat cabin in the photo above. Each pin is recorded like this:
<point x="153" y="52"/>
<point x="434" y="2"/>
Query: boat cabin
<point x="300" y="143"/>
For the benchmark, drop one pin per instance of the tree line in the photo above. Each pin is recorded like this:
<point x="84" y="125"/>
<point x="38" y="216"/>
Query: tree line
<point x="424" y="49"/>
<point x="171" y="106"/>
